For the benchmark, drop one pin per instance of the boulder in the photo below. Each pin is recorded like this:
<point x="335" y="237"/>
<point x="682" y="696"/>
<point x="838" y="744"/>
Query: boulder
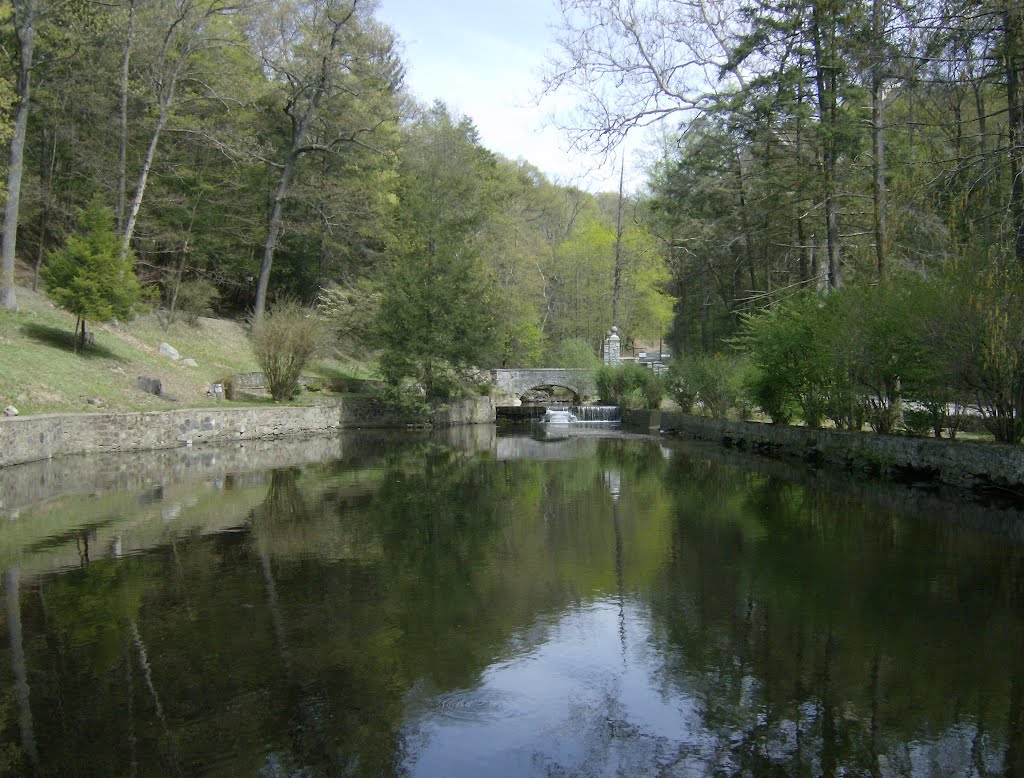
<point x="150" y="385"/>
<point x="169" y="351"/>
<point x="10" y="410"/>
<point x="189" y="362"/>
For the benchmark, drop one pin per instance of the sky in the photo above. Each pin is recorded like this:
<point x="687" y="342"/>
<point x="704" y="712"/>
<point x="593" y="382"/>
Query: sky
<point x="483" y="58"/>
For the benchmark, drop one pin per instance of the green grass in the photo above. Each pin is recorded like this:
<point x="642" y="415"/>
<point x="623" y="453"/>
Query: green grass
<point x="41" y="373"/>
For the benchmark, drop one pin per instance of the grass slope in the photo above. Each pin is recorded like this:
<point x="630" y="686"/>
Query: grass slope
<point x="41" y="373"/>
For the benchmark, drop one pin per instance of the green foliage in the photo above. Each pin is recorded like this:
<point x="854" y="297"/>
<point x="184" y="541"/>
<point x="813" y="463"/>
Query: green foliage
<point x="196" y="297"/>
<point x="89" y="276"/>
<point x="990" y="342"/>
<point x="284" y="341"/>
<point x="715" y="382"/>
<point x="573" y="353"/>
<point x="681" y="387"/>
<point x="436" y="317"/>
<point x="630" y="385"/>
<point x="404" y="401"/>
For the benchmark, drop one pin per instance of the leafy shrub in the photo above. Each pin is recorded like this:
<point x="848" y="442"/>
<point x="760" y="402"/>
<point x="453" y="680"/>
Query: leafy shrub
<point x="629" y="385"/>
<point x="573" y="353"/>
<point x="403" y="400"/>
<point x="284" y="341"/>
<point x="196" y="298"/>
<point x="680" y="384"/>
<point x="716" y="382"/>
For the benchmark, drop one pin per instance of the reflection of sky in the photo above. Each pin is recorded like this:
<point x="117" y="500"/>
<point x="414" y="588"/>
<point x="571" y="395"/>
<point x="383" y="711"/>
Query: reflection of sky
<point x="579" y="700"/>
<point x="575" y="698"/>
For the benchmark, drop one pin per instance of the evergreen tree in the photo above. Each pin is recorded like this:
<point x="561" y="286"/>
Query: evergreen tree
<point x="90" y="276"/>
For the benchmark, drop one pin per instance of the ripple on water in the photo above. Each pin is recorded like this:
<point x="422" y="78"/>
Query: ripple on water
<point x="474" y="705"/>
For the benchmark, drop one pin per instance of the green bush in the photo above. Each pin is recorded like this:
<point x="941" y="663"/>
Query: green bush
<point x="716" y="382"/>
<point x="680" y="384"/>
<point x="629" y="385"/>
<point x="196" y="298"/>
<point x="403" y="400"/>
<point x="284" y="341"/>
<point x="573" y="353"/>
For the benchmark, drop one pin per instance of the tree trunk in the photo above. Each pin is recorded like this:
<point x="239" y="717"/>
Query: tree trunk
<point x="274" y="230"/>
<point x="122" y="156"/>
<point x="617" y="280"/>
<point x="24" y="28"/>
<point x="878" y="192"/>
<point x="1012" y="29"/>
<point x="825" y="78"/>
<point x="140" y="189"/>
<point x="300" y="126"/>
<point x="44" y="222"/>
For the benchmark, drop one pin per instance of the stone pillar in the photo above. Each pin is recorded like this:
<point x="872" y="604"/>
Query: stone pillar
<point x="612" y="348"/>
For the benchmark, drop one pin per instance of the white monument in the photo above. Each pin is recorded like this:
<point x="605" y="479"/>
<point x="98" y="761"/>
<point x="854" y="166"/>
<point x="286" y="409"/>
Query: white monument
<point x="612" y="348"/>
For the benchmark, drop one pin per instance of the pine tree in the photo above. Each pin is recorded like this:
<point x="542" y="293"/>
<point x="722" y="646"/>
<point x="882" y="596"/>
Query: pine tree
<point x="90" y="276"/>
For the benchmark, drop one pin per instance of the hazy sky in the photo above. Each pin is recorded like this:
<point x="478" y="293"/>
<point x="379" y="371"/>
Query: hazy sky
<point x="482" y="58"/>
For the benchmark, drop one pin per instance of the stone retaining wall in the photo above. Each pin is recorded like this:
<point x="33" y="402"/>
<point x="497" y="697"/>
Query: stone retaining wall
<point x="963" y="464"/>
<point x="31" y="438"/>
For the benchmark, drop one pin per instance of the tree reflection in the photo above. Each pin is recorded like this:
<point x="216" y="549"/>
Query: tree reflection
<point x="814" y="635"/>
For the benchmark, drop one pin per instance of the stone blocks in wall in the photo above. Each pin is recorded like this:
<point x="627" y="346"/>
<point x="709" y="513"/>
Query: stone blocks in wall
<point x="31" y="438"/>
<point x="964" y="464"/>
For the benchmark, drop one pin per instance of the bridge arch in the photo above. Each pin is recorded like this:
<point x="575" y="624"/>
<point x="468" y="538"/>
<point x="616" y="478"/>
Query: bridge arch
<point x="513" y="383"/>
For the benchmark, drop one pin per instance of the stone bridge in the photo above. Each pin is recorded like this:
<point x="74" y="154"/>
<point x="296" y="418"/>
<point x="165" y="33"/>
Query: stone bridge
<point x="511" y="384"/>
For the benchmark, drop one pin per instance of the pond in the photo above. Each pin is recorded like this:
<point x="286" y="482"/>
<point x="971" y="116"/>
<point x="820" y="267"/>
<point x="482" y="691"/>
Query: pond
<point x="475" y="604"/>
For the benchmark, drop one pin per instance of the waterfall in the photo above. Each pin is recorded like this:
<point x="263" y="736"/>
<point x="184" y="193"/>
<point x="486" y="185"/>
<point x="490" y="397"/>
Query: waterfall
<point x="567" y="414"/>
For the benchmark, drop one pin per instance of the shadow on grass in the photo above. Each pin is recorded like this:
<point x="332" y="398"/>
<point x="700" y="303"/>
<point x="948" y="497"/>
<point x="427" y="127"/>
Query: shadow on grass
<point x="65" y="340"/>
<point x="339" y="380"/>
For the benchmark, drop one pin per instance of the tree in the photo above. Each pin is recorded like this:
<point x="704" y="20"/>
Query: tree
<point x="335" y="73"/>
<point x="637" y="62"/>
<point x="90" y="276"/>
<point x="25" y="16"/>
<point x="437" y="314"/>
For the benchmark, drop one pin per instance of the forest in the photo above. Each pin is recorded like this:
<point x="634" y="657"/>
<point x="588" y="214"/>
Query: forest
<point x="835" y="190"/>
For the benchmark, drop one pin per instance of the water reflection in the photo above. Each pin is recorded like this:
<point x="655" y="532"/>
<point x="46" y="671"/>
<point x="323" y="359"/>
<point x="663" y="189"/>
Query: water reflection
<point x="428" y="606"/>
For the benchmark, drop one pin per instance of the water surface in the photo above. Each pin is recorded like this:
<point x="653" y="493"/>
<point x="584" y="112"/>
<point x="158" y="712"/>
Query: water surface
<point x="557" y="604"/>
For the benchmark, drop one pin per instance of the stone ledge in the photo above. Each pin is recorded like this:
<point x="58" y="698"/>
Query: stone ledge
<point x="32" y="438"/>
<point x="963" y="464"/>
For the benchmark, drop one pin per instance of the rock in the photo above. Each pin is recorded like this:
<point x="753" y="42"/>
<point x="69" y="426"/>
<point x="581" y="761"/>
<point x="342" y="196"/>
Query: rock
<point x="150" y="385"/>
<point x="10" y="410"/>
<point x="95" y="401"/>
<point x="169" y="351"/>
<point x="189" y="362"/>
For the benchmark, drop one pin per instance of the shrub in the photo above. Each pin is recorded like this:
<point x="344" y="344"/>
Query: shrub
<point x="629" y="385"/>
<point x="196" y="298"/>
<point x="573" y="353"/>
<point x="680" y="384"/>
<point x="404" y="401"/>
<point x="715" y="381"/>
<point x="284" y="341"/>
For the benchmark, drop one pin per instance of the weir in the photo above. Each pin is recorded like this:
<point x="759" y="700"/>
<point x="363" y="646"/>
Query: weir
<point x="583" y="413"/>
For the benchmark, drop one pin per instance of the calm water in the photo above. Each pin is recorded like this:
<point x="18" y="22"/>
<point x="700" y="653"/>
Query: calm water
<point x="486" y="606"/>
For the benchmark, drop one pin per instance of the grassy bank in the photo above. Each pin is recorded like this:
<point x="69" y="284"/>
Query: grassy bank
<point x="41" y="373"/>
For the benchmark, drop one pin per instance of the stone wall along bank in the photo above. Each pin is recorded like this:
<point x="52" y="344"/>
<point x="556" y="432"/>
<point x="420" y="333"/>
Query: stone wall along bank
<point x="964" y="464"/>
<point x="31" y="438"/>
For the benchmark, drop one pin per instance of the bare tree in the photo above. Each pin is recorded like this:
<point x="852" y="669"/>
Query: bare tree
<point x="634" y="63"/>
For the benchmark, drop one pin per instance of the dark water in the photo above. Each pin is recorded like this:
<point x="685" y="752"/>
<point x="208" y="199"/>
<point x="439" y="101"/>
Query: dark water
<point x="510" y="606"/>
